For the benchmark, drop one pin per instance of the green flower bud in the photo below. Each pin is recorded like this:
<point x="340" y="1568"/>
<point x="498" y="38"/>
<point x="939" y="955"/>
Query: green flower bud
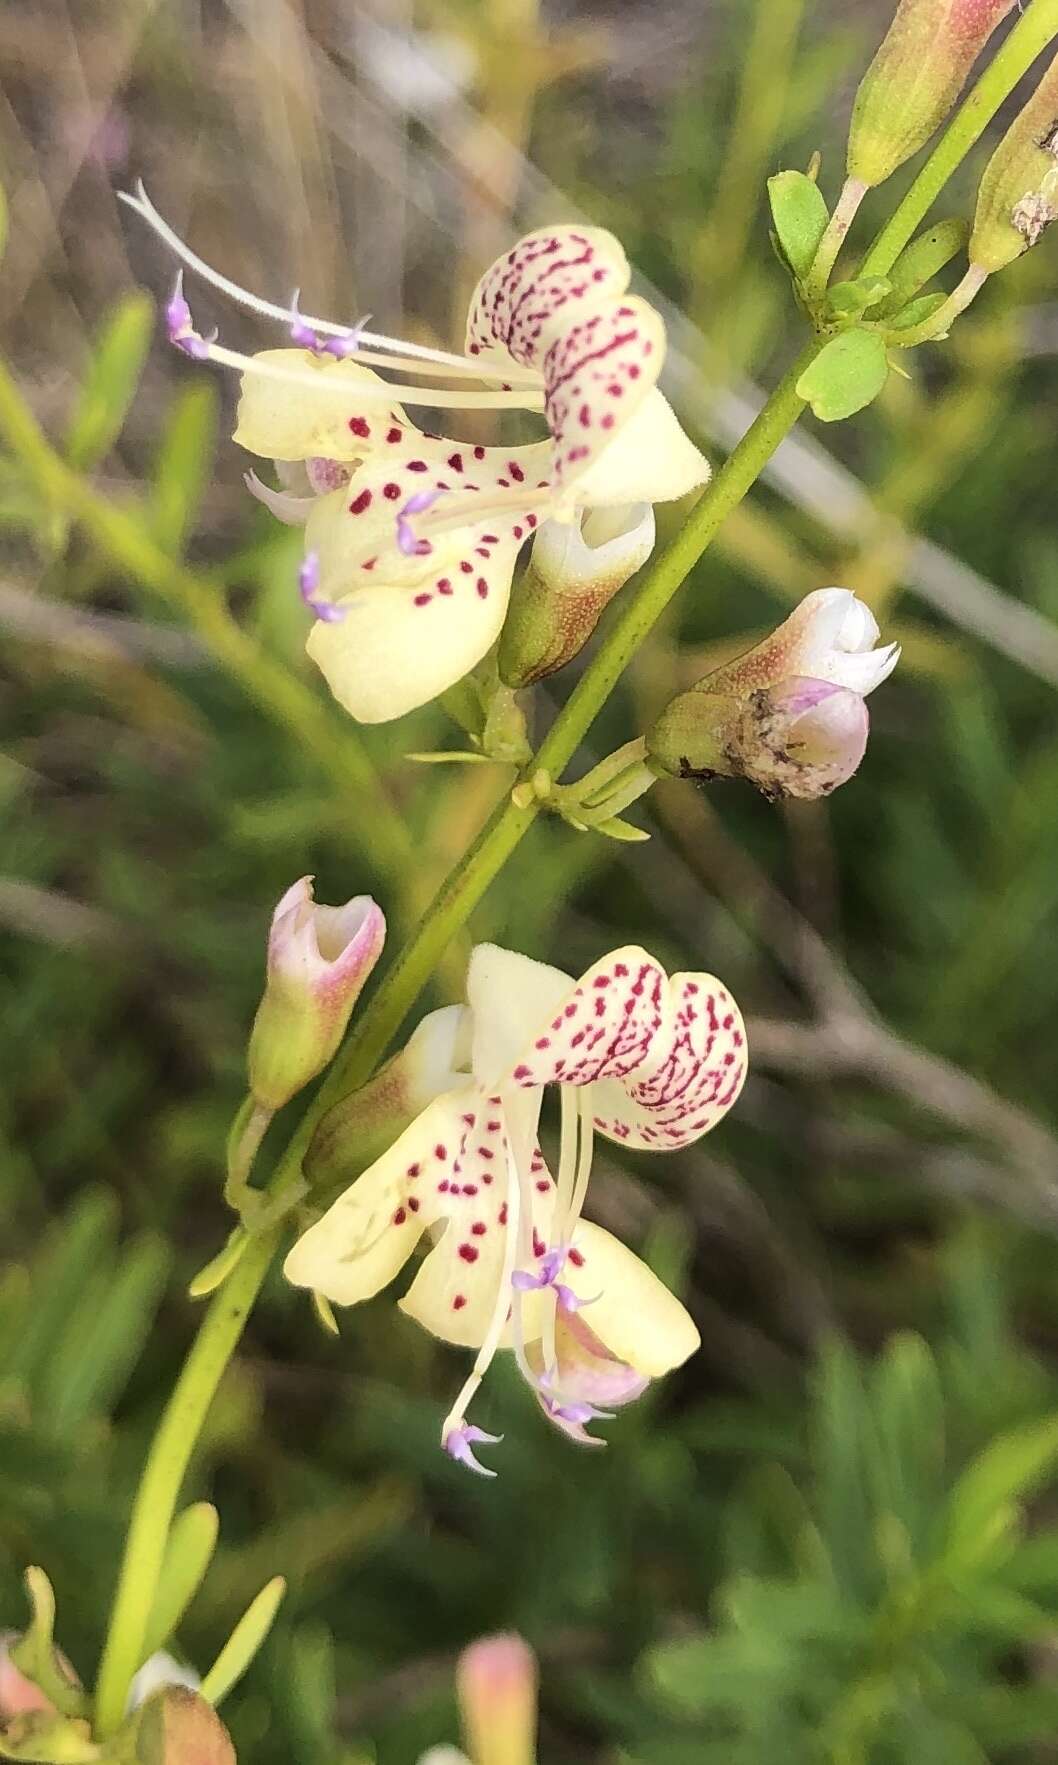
<point x="914" y="80"/>
<point x="359" y="1128"/>
<point x="1018" y="197"/>
<point x="574" y="572"/>
<point x="318" y="960"/>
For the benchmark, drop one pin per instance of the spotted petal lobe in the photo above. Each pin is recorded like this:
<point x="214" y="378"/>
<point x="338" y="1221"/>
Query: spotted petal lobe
<point x="597" y="373"/>
<point x="698" y="1078"/>
<point x="632" y="1314"/>
<point x="614" y="1021"/>
<point x="549" y="277"/>
<point x="281" y="421"/>
<point x="647" y="459"/>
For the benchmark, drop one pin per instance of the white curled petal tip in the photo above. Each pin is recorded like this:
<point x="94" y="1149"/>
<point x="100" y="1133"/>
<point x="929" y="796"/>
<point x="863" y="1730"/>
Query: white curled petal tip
<point x="859" y="628"/>
<point x="293" y="511"/>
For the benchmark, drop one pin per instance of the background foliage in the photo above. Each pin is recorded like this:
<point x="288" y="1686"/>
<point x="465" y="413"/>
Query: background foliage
<point x="832" y="1536"/>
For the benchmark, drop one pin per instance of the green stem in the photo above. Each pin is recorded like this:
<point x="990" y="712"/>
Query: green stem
<point x="1030" y="36"/>
<point x="336" y="747"/>
<point x="163" y="1476"/>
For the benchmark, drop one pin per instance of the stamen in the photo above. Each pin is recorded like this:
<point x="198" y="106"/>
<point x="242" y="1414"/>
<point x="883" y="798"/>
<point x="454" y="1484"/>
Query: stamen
<point x="340" y="346"/>
<point x="459" y="1443"/>
<point x="453" y="1424"/>
<point x="381" y="393"/>
<point x="470" y="508"/>
<point x="308" y="587"/>
<point x="407" y="540"/>
<point x="180" y="326"/>
<point x="142" y="205"/>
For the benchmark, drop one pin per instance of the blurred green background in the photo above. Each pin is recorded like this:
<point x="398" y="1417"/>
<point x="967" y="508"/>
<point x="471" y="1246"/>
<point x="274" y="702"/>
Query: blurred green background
<point x="833" y="1536"/>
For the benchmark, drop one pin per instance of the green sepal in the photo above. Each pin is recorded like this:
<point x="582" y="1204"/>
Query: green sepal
<point x="451" y="757"/>
<point x="917" y="311"/>
<point x="847" y="375"/>
<point x="847" y="300"/>
<point x="46" y="1739"/>
<point x="220" y="1266"/>
<point x="188" y="1554"/>
<point x="244" y="1641"/>
<point x="34" y="1652"/>
<point x="616" y="828"/>
<point x="800" y="216"/>
<point x="923" y="259"/>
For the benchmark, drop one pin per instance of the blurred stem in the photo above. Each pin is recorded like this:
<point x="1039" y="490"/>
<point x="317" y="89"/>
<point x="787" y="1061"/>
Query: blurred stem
<point x="163" y="1476"/>
<point x="336" y="747"/>
<point x="1034" y="30"/>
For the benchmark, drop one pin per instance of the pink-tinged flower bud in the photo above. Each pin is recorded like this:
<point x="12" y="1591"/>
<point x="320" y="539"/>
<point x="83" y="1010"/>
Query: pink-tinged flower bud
<point x="573" y="574"/>
<point x="178" y="1727"/>
<point x="318" y="960"/>
<point x="496" y="1682"/>
<point x="789" y="714"/>
<point x="1018" y="197"/>
<point x="18" y="1695"/>
<point x="357" y="1130"/>
<point x="914" y="80"/>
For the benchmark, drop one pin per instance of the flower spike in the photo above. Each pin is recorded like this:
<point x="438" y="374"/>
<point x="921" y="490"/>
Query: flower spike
<point x="459" y="1444"/>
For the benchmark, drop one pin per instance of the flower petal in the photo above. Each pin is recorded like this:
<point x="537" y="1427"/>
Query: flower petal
<point x="369" y="1233"/>
<point x="632" y="1314"/>
<point x="596" y="375"/>
<point x="455" y="1291"/>
<point x="617" y="1019"/>
<point x="548" y="278"/>
<point x="285" y="422"/>
<point x="586" y="1370"/>
<point x="695" y="1084"/>
<point x="510" y="997"/>
<point x="648" y="458"/>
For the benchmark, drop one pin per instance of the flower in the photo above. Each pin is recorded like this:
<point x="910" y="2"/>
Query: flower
<point x="789" y="714"/>
<point x="415" y="537"/>
<point x="914" y="80"/>
<point x="318" y="960"/>
<point x="648" y="1060"/>
<point x="496" y="1683"/>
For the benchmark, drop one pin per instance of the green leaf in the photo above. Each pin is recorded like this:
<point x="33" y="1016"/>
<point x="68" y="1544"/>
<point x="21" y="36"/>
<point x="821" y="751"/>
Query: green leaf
<point x="104" y="1336"/>
<point x="244" y="1641"/>
<point x="981" y="1506"/>
<point x="183" y="464"/>
<point x="113" y="376"/>
<point x="917" y="310"/>
<point x="847" y="300"/>
<point x="845" y="376"/>
<point x="80" y="1241"/>
<point x="192" y="1541"/>
<point x="800" y="216"/>
<point x="924" y="257"/>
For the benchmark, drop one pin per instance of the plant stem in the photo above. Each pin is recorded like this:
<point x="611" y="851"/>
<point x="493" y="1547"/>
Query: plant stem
<point x="852" y="194"/>
<point x="1032" y="33"/>
<point x="118" y="534"/>
<point x="163" y="1476"/>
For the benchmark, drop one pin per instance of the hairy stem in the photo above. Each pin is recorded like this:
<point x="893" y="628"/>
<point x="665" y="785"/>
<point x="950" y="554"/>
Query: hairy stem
<point x="1034" y="30"/>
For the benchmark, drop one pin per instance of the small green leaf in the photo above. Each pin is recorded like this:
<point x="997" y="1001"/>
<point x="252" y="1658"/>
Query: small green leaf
<point x="849" y="299"/>
<point x="451" y="757"/>
<point x="220" y="1266"/>
<point x="917" y="311"/>
<point x="922" y="260"/>
<point x="113" y="376"/>
<point x="244" y="1641"/>
<point x="183" y="464"/>
<point x="192" y="1541"/>
<point x="846" y="375"/>
<point x="800" y="216"/>
<point x="1006" y="1472"/>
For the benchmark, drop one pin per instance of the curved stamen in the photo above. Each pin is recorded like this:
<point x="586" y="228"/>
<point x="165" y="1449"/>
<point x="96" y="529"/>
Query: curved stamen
<point x="364" y="392"/>
<point x="453" y="1423"/>
<point x="471" y="508"/>
<point x="141" y="204"/>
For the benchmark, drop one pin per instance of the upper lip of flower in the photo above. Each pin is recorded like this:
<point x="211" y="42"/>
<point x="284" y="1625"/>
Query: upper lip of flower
<point x="646" y="1059"/>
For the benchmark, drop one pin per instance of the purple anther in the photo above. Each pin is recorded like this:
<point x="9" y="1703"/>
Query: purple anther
<point x="308" y="586"/>
<point x="180" y="327"/>
<point x="546" y="1275"/>
<point x="577" y="1413"/>
<point x="344" y="344"/>
<point x="460" y="1442"/>
<point x="407" y="540"/>
<point x="347" y="342"/>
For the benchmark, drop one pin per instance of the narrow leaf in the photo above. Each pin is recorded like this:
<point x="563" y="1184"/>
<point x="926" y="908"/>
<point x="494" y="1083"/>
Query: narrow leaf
<point x="113" y="376"/>
<point x="244" y="1642"/>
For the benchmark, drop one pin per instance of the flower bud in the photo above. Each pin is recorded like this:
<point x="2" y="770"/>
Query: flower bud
<point x="1018" y="197"/>
<point x="789" y="714"/>
<point x="353" y="1134"/>
<point x="178" y="1727"/>
<point x="574" y="572"/>
<point x="914" y="80"/>
<point x="318" y="960"/>
<point x="18" y="1695"/>
<point x="496" y="1682"/>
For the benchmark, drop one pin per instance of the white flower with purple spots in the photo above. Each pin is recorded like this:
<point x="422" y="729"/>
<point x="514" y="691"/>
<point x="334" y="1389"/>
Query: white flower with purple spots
<point x="647" y="1059"/>
<point x="415" y="538"/>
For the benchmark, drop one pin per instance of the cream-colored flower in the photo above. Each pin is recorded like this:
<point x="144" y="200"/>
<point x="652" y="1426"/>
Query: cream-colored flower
<point x="649" y="1060"/>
